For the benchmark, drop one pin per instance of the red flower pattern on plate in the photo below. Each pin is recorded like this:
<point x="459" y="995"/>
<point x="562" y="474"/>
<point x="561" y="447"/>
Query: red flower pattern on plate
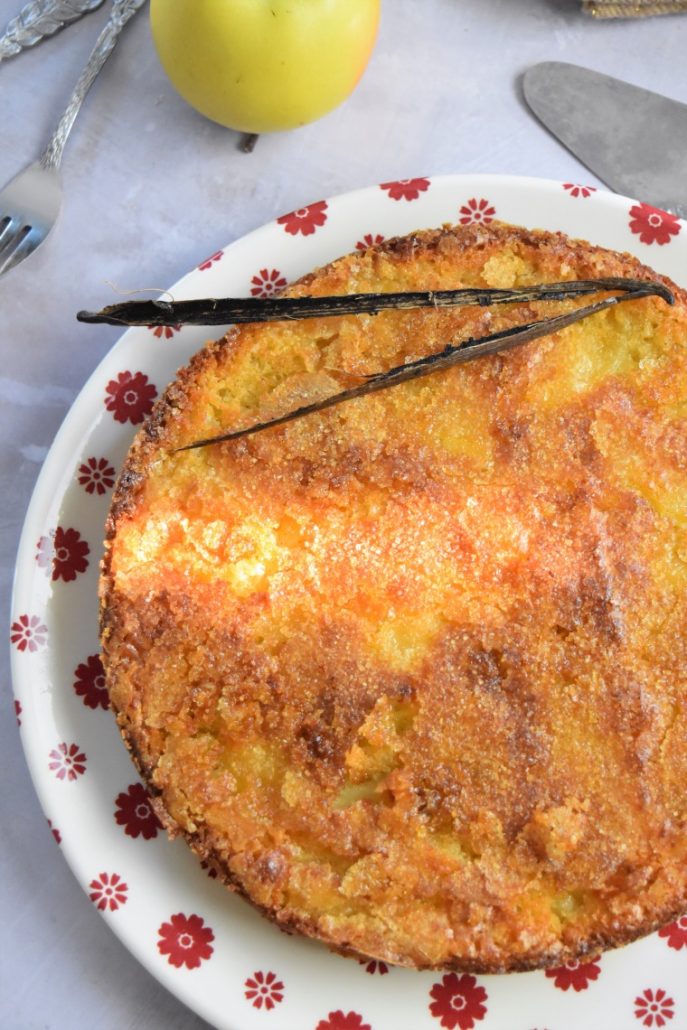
<point x="675" y="933"/>
<point x="574" y="974"/>
<point x="576" y="189"/>
<point x="165" y="332"/>
<point x="28" y="633"/>
<point x="185" y="940"/>
<point x="67" y="761"/>
<point x="369" y="240"/>
<point x="89" y="683"/>
<point x="130" y="396"/>
<point x="306" y="220"/>
<point x="374" y="966"/>
<point x="458" y="1001"/>
<point x="338" y="1021"/>
<point x="654" y="1008"/>
<point x="209" y="261"/>
<point x="108" y="891"/>
<point x="64" y="552"/>
<point x="653" y="225"/>
<point x="267" y="282"/>
<point x="477" y="211"/>
<point x="96" y="476"/>
<point x="134" y="812"/>
<point x="210" y="870"/>
<point x="17" y="711"/>
<point x="56" y="833"/>
<point x="264" y="989"/>
<point x="405" y="189"/>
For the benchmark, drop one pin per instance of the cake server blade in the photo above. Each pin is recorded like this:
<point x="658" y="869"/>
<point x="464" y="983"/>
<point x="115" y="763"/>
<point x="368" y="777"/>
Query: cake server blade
<point x="632" y="139"/>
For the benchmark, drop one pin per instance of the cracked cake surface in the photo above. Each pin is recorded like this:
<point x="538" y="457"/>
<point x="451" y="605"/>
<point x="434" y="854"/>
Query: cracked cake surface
<point x="411" y="672"/>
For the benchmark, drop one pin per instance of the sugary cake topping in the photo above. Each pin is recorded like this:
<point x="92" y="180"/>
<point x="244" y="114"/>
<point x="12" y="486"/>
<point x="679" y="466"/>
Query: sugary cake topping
<point x="411" y="671"/>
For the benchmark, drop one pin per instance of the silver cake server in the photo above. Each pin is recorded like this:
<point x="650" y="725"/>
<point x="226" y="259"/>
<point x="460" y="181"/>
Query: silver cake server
<point x="632" y="139"/>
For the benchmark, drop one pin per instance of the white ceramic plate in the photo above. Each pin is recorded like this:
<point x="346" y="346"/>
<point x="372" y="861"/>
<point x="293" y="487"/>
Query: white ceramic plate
<point x="207" y="946"/>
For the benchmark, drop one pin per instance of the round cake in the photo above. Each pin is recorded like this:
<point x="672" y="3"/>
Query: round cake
<point x="411" y="672"/>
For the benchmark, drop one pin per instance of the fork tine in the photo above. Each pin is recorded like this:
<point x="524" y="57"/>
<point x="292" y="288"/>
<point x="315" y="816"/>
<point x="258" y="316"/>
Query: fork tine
<point x="7" y="248"/>
<point x="5" y="229"/>
<point x="8" y="242"/>
<point x="19" y="247"/>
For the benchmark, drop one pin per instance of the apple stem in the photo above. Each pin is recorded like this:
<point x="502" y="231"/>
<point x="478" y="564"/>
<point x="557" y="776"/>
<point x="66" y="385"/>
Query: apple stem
<point x="248" y="142"/>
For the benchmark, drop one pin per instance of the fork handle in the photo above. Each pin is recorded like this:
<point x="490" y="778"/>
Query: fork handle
<point x="122" y="11"/>
<point x="39" y="19"/>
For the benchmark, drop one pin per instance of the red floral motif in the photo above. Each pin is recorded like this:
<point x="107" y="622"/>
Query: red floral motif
<point x="209" y="261"/>
<point x="267" y="282"/>
<point x="653" y="225"/>
<point x="96" y="476"/>
<point x="477" y="211"/>
<point x="130" y="396"/>
<point x="17" y="711"/>
<point x="56" y="833"/>
<point x="676" y="933"/>
<point x="165" y="332"/>
<point x="134" y="812"/>
<point x="306" y="220"/>
<point x="89" y="683"/>
<point x="186" y="941"/>
<point x="28" y="633"/>
<point x="458" y="1001"/>
<point x="405" y="189"/>
<point x="67" y="761"/>
<point x="64" y="552"/>
<point x="574" y="974"/>
<point x="210" y="870"/>
<point x="374" y="966"/>
<point x="654" y="1008"/>
<point x="264" y="989"/>
<point x="108" y="891"/>
<point x="576" y="189"/>
<point x="338" y="1021"/>
<point x="369" y="240"/>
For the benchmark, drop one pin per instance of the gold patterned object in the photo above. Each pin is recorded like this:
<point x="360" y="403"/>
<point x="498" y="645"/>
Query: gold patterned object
<point x="632" y="8"/>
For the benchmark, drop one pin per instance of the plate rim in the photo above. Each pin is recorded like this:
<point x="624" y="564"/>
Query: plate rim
<point x="52" y="473"/>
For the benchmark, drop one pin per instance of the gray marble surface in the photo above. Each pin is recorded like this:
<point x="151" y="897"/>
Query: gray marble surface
<point x="150" y="189"/>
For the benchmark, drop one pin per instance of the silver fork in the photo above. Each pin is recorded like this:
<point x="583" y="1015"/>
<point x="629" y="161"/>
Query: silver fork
<point x="30" y="203"/>
<point x="39" y="19"/>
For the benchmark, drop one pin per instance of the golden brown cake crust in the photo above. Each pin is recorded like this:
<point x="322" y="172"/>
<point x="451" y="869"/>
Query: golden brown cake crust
<point x="411" y="673"/>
